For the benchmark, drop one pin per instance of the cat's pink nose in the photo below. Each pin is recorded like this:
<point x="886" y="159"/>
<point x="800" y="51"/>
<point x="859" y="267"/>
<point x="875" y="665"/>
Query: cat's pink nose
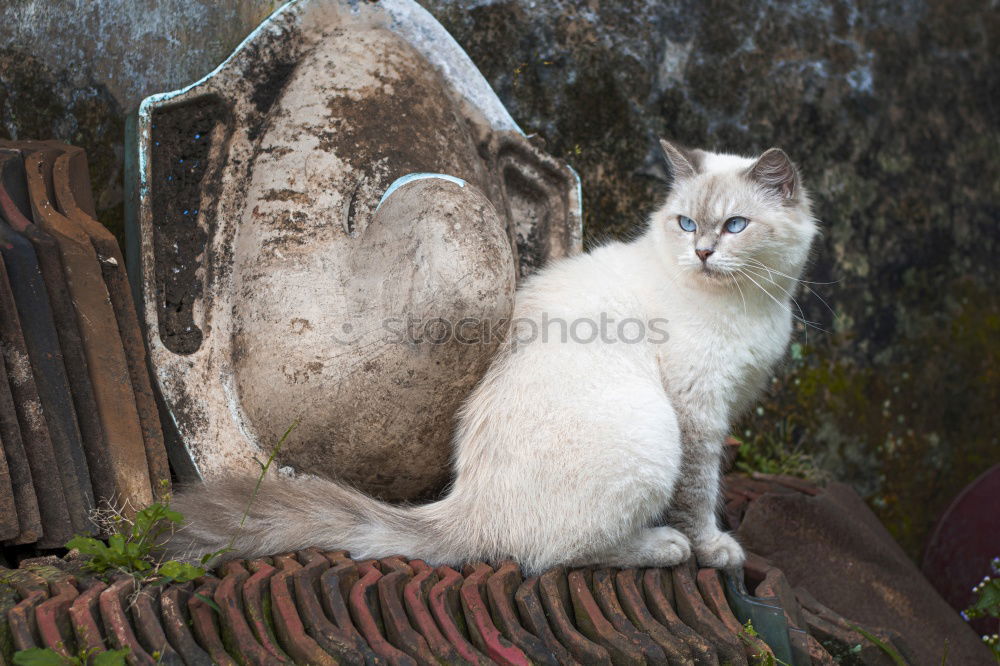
<point x="704" y="254"/>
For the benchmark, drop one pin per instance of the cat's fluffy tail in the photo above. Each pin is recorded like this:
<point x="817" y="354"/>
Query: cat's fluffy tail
<point x="288" y="515"/>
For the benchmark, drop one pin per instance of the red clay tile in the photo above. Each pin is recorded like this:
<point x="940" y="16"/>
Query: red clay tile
<point x="8" y="599"/>
<point x="146" y="619"/>
<point x="483" y="633"/>
<point x="771" y="582"/>
<point x="714" y="595"/>
<point x="125" y="451"/>
<point x="755" y="568"/>
<point x="337" y="556"/>
<point x="344" y="645"/>
<point x="532" y="613"/>
<point x="288" y="624"/>
<point x="823" y="645"/>
<point x="657" y="584"/>
<point x="692" y="610"/>
<point x="85" y="616"/>
<point x="21" y="264"/>
<point x="52" y="617"/>
<point x="414" y="614"/>
<point x="595" y="626"/>
<point x="28" y="525"/>
<point x="734" y="509"/>
<point x="54" y="347"/>
<point x="204" y="622"/>
<point x="113" y="602"/>
<point x="818" y="654"/>
<point x="257" y="606"/>
<point x="88" y="417"/>
<point x="830" y="633"/>
<point x="602" y="585"/>
<point x="398" y="629"/>
<point x="443" y="601"/>
<point x="775" y="585"/>
<point x="334" y="591"/>
<point x="500" y="590"/>
<point x="32" y="591"/>
<point x="173" y="611"/>
<point x="9" y="526"/>
<point x="554" y="592"/>
<point x="39" y="288"/>
<point x="791" y="482"/>
<point x="778" y="484"/>
<point x="236" y="633"/>
<point x="416" y="595"/>
<point x="628" y="586"/>
<point x="73" y="197"/>
<point x="367" y="616"/>
<point x="835" y="635"/>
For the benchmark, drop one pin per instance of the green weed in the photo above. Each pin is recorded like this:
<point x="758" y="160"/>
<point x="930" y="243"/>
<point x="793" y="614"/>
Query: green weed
<point x="987" y="604"/>
<point x="771" y="455"/>
<point x="49" y="657"/>
<point x="747" y="634"/>
<point x="135" y="545"/>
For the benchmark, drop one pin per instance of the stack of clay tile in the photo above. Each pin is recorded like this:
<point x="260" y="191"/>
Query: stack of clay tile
<point x="78" y="421"/>
<point x="316" y="607"/>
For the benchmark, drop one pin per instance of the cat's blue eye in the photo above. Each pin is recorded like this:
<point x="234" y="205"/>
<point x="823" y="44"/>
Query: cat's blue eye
<point x="686" y="223"/>
<point x="735" y="225"/>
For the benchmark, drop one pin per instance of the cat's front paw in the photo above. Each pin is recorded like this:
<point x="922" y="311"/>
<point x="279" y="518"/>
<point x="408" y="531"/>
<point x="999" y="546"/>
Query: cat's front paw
<point x="719" y="551"/>
<point x="668" y="547"/>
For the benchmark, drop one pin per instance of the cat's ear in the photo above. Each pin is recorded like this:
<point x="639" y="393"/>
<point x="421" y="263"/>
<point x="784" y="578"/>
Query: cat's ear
<point x="775" y="171"/>
<point x="680" y="165"/>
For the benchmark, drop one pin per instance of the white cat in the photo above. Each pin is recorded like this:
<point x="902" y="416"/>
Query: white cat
<point x="576" y="450"/>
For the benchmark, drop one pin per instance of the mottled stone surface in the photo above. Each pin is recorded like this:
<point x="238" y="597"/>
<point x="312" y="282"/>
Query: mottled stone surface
<point x="889" y="107"/>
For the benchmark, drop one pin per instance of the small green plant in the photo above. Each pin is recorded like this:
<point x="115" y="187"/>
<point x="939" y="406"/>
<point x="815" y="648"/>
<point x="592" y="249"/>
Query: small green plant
<point x="747" y="635"/>
<point x="769" y="455"/>
<point x="987" y="604"/>
<point x="136" y="544"/>
<point x="264" y="466"/>
<point x="91" y="657"/>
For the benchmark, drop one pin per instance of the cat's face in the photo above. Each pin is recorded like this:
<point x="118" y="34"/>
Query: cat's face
<point x="730" y="217"/>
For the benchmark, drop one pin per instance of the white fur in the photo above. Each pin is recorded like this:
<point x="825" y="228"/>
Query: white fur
<point x="573" y="453"/>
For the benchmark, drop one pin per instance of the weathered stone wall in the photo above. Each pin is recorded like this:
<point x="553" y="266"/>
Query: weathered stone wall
<point x="890" y="108"/>
<point x="892" y="111"/>
<point x="72" y="69"/>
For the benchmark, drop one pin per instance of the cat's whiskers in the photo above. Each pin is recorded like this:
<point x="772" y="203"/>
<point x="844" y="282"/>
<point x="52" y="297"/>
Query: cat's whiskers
<point x="790" y="277"/>
<point x="736" y="282"/>
<point x="690" y="268"/>
<point x="785" y="307"/>
<point x="804" y="283"/>
<point x="791" y="298"/>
